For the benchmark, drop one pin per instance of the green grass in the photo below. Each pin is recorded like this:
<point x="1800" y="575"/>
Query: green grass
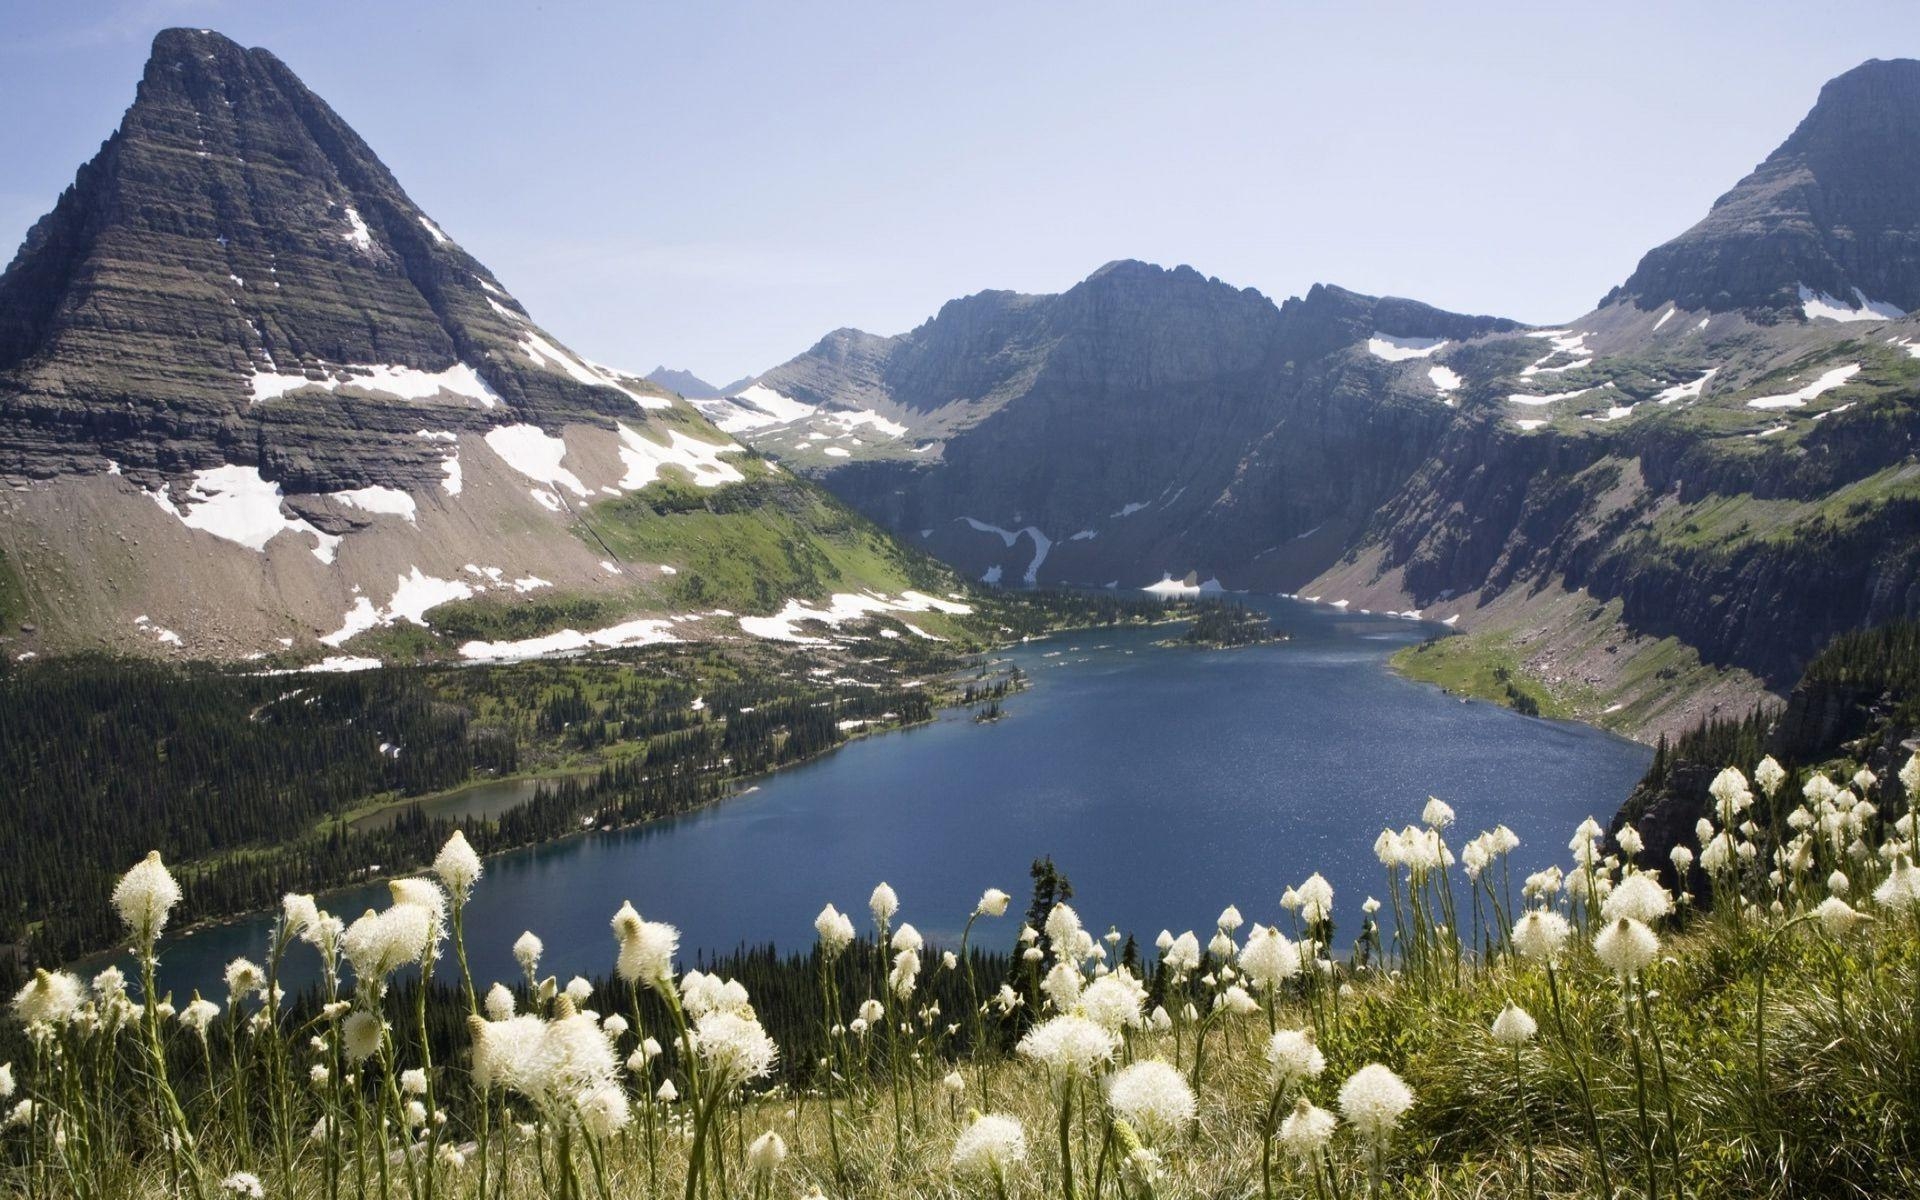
<point x="752" y="546"/>
<point x="1484" y="666"/>
<point x="1751" y="1053"/>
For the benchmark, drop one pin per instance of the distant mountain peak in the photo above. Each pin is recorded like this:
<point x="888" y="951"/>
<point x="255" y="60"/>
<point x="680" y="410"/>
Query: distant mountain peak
<point x="1835" y="210"/>
<point x="235" y="238"/>
<point x="684" y="382"/>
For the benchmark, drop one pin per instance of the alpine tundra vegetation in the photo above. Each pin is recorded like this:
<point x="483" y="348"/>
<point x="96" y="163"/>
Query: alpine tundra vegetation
<point x="1595" y="1028"/>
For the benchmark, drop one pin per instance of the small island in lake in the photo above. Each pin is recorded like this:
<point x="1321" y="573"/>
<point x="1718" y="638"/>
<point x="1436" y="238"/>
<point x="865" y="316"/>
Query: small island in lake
<point x="1223" y="625"/>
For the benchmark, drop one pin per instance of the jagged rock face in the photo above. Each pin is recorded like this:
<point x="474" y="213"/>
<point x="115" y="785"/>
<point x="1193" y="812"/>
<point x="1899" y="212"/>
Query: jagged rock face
<point x="234" y="226"/>
<point x="1835" y="208"/>
<point x="254" y="402"/>
<point x="1145" y="422"/>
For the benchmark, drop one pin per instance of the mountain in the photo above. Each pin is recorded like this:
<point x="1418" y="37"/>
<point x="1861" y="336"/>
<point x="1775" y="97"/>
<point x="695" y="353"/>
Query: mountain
<point x="684" y="383"/>
<point x="1834" y="212"/>
<point x="1128" y="429"/>
<point x="1655" y="513"/>
<point x="254" y="401"/>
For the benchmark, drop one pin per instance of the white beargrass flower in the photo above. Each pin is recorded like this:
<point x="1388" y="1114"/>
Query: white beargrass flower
<point x="1630" y="842"/>
<point x="1626" y="946"/>
<point x="835" y="930"/>
<point x="765" y="1154"/>
<point x="1514" y="1026"/>
<point x="243" y="1183"/>
<point x="1069" y="1046"/>
<point x="1153" y="1097"/>
<point x="1293" y="1057"/>
<point x="1769" y="775"/>
<point x="499" y="1003"/>
<point x="527" y="950"/>
<point x="1838" y="918"/>
<point x="360" y="1036"/>
<point x="50" y="998"/>
<point x="413" y="1082"/>
<point x="458" y="867"/>
<point x="1061" y="924"/>
<point x="883" y="904"/>
<point x="954" y="1082"/>
<point x="1682" y="859"/>
<point x="378" y="944"/>
<point x="1541" y="935"/>
<point x="1230" y="918"/>
<point x="905" y="973"/>
<point x="6" y="1081"/>
<point x="145" y="897"/>
<point x="1900" y="890"/>
<point x="1062" y="986"/>
<point x="603" y="1110"/>
<point x="993" y="903"/>
<point x="1638" y="896"/>
<point x="1269" y="959"/>
<point x="908" y="938"/>
<point x="1114" y="1001"/>
<point x="298" y="915"/>
<point x="579" y="990"/>
<point x="734" y="1048"/>
<point x="199" y="1014"/>
<point x="1373" y="1100"/>
<point x="1438" y="814"/>
<point x="646" y="949"/>
<point x="1316" y="899"/>
<point x="1306" y="1131"/>
<point x="1237" y="1001"/>
<point x="989" y="1148"/>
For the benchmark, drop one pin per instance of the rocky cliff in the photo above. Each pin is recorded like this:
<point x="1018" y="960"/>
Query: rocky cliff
<point x="1656" y="512"/>
<point x="254" y="401"/>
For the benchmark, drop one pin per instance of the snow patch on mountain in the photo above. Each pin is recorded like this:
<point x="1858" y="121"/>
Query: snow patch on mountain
<point x="1042" y="544"/>
<point x="1825" y="383"/>
<point x="376" y="499"/>
<point x="1400" y="349"/>
<point x="644" y="459"/>
<point x="648" y="631"/>
<point x="405" y="383"/>
<point x="536" y="454"/>
<point x="842" y="607"/>
<point x="1820" y="306"/>
<point x="235" y="503"/>
<point x="1685" y="391"/>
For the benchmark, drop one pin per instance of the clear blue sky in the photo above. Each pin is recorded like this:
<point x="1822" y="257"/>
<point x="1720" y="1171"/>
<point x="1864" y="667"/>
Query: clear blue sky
<point x="714" y="185"/>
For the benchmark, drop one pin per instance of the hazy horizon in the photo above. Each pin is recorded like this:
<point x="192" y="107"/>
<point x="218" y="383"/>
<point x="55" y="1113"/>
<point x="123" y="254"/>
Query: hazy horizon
<point x="714" y="189"/>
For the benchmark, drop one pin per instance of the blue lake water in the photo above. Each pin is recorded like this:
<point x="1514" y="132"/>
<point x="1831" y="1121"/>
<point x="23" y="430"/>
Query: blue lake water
<point x="1166" y="783"/>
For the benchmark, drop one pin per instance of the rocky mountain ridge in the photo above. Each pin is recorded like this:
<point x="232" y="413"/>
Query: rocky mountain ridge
<point x="254" y="401"/>
<point x="1656" y="512"/>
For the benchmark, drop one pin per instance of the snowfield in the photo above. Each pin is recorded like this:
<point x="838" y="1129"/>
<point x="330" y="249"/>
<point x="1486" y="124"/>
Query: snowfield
<point x="406" y="383"/>
<point x="1818" y="306"/>
<point x="1826" y="383"/>
<point x="1042" y="544"/>
<point x="1400" y="349"/>
<point x="536" y="454"/>
<point x="1685" y="391"/>
<point x="644" y="459"/>
<point x="843" y="607"/>
<point x="236" y="504"/>
<point x="376" y="499"/>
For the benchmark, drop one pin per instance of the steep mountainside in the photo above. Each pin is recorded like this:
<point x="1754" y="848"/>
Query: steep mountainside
<point x="1831" y="211"/>
<point x="253" y="400"/>
<point x="1656" y="512"/>
<point x="1145" y="423"/>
